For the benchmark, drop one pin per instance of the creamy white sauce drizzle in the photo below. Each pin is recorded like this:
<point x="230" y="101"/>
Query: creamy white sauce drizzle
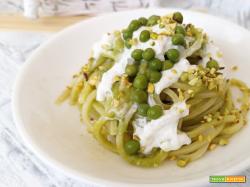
<point x="151" y="100"/>
<point x="162" y="132"/>
<point x="172" y="75"/>
<point x="102" y="46"/>
<point x="104" y="88"/>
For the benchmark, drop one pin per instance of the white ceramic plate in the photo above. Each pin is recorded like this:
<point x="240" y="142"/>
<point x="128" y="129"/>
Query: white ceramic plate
<point x="56" y="135"/>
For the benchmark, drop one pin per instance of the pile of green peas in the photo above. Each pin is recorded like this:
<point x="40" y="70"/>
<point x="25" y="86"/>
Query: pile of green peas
<point x="135" y="25"/>
<point x="147" y="68"/>
<point x="151" y="21"/>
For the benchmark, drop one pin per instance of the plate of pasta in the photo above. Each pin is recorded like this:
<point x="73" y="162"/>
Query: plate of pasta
<point x="145" y="97"/>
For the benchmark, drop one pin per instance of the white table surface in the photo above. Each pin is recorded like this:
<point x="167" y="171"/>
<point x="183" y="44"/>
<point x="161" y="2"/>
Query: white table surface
<point x="18" y="166"/>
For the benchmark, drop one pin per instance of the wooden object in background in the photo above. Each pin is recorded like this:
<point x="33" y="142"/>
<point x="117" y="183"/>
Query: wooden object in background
<point x="48" y="24"/>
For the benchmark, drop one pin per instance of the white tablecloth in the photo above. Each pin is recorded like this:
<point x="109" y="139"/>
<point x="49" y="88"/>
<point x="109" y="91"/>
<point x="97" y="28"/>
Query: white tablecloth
<point x="18" y="166"/>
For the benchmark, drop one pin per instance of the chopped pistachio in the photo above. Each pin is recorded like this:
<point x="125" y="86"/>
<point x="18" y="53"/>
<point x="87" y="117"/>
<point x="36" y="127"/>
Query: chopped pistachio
<point x="172" y="158"/>
<point x="181" y="94"/>
<point x="193" y="81"/>
<point x="234" y="68"/>
<point x="181" y="111"/>
<point x="190" y="91"/>
<point x="150" y="88"/>
<point x="212" y="147"/>
<point x="161" y="25"/>
<point x="212" y="71"/>
<point x="174" y="71"/>
<point x="182" y="163"/>
<point x="184" y="77"/>
<point x="116" y="78"/>
<point x="152" y="43"/>
<point x="219" y="54"/>
<point x="200" y="138"/>
<point x="93" y="80"/>
<point x="209" y="119"/>
<point x="153" y="35"/>
<point x="223" y="141"/>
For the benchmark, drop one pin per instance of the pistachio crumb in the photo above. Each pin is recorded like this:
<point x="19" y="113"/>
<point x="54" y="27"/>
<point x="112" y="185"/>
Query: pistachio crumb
<point x="234" y="68"/>
<point x="172" y="158"/>
<point x="193" y="81"/>
<point x="212" y="147"/>
<point x="115" y="103"/>
<point x="174" y="71"/>
<point x="219" y="54"/>
<point x="182" y="163"/>
<point x="223" y="141"/>
<point x="153" y="35"/>
<point x="116" y="78"/>
<point x="93" y="80"/>
<point x="150" y="88"/>
<point x="200" y="138"/>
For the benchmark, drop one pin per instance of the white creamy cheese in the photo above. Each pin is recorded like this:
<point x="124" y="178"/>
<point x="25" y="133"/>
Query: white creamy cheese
<point x="101" y="46"/>
<point x="151" y="100"/>
<point x="104" y="88"/>
<point x="162" y="132"/>
<point x="172" y="75"/>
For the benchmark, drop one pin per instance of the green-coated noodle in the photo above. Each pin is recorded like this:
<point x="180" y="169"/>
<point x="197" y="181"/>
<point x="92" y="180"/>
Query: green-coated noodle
<point x="212" y="118"/>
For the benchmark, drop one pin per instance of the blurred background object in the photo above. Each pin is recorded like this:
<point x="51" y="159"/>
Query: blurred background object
<point x="238" y="11"/>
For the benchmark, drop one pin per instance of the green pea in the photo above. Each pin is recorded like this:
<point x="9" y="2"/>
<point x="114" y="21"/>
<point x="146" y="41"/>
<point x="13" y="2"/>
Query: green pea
<point x="137" y="54"/>
<point x="131" y="70"/>
<point x="180" y="30"/>
<point x="177" y="16"/>
<point x="139" y="96"/>
<point x="134" y="25"/>
<point x="127" y="34"/>
<point x="148" y="54"/>
<point x="155" y="64"/>
<point x="144" y="36"/>
<point x="140" y="81"/>
<point x="152" y="20"/>
<point x="178" y="39"/>
<point x="132" y="147"/>
<point x="173" y="55"/>
<point x="154" y="112"/>
<point x="142" y="109"/>
<point x="147" y="73"/>
<point x="143" y="67"/>
<point x="154" y="76"/>
<point x="167" y="64"/>
<point x="143" y="21"/>
<point x="127" y="44"/>
<point x="212" y="64"/>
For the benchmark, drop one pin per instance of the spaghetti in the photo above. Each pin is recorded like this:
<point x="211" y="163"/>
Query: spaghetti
<point x="156" y="91"/>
